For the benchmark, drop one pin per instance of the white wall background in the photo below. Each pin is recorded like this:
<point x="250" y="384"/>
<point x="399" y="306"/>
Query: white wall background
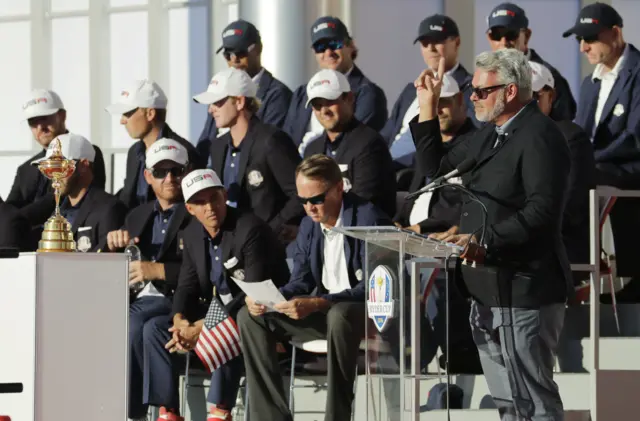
<point x="87" y="50"/>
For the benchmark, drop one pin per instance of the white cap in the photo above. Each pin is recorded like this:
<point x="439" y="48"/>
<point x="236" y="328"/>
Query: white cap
<point x="72" y="146"/>
<point x="327" y="84"/>
<point x="42" y="102"/>
<point x="198" y="180"/>
<point x="540" y="76"/>
<point x="229" y="82"/>
<point x="449" y="86"/>
<point x="139" y="94"/>
<point x="166" y="150"/>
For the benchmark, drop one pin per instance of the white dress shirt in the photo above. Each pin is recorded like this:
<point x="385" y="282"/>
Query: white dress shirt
<point x="607" y="82"/>
<point x="335" y="276"/>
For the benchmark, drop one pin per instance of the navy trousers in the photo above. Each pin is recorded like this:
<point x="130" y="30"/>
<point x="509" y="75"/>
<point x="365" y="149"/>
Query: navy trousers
<point x="141" y="311"/>
<point x="161" y="371"/>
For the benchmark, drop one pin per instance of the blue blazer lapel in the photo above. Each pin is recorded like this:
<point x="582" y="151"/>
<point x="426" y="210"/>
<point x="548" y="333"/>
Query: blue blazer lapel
<point x="348" y="220"/>
<point x="317" y="252"/>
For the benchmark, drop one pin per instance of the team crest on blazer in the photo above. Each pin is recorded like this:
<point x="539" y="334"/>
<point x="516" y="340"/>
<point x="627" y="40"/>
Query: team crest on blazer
<point x="255" y="178"/>
<point x="618" y="110"/>
<point x="239" y="274"/>
<point x="359" y="274"/>
<point x="381" y="303"/>
<point x="84" y="243"/>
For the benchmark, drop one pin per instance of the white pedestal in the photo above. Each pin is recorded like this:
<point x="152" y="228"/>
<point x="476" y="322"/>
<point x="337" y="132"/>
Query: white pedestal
<point x="64" y="337"/>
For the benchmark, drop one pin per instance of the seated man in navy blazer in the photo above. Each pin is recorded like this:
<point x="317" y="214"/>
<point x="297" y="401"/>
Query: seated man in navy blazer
<point x="91" y="211"/>
<point x="219" y="242"/>
<point x="361" y="154"/>
<point x="154" y="227"/>
<point x="242" y="49"/>
<point x="609" y="111"/>
<point x="335" y="49"/>
<point x="333" y="266"/>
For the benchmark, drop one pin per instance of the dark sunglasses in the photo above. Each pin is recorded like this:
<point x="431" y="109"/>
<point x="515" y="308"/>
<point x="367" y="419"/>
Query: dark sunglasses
<point x="588" y="40"/>
<point x="496" y="34"/>
<point x="161" y="173"/>
<point x="333" y="45"/>
<point x="237" y="54"/>
<point x="315" y="200"/>
<point x="483" y="93"/>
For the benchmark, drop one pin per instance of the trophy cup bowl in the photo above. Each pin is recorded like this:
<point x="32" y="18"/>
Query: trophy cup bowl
<point x="57" y="235"/>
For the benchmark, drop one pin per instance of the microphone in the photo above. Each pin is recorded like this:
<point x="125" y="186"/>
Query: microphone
<point x="464" y="167"/>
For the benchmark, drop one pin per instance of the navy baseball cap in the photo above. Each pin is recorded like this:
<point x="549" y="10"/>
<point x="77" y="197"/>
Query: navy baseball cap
<point x="437" y="27"/>
<point x="328" y="27"/>
<point x="238" y="36"/>
<point x="593" y="18"/>
<point x="509" y="16"/>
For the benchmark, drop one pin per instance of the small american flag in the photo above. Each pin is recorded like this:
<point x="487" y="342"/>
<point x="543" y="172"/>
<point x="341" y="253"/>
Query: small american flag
<point x="219" y="340"/>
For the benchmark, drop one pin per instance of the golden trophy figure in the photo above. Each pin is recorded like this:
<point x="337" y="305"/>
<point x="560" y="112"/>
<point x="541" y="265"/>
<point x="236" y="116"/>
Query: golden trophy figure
<point x="57" y="235"/>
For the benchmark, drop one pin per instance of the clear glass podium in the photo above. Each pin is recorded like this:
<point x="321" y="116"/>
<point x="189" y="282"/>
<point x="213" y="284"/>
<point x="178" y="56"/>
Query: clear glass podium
<point x="395" y="261"/>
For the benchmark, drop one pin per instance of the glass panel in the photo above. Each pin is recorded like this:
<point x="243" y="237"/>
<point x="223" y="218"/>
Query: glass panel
<point x="68" y="5"/>
<point x="120" y="3"/>
<point x="14" y="7"/>
<point x="15" y="85"/>
<point x="8" y="167"/>
<point x="119" y="171"/>
<point x="70" y="71"/>
<point x="129" y="61"/>
<point x="189" y="43"/>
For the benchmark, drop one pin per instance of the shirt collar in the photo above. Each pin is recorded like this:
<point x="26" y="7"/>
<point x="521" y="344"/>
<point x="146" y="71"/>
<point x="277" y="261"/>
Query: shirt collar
<point x="258" y="76"/>
<point x="158" y="208"/>
<point x="327" y="230"/>
<point x="597" y="72"/>
<point x="505" y="127"/>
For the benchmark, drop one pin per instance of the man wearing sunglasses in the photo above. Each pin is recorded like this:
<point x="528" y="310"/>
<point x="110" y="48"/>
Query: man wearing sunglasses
<point x="439" y="37"/>
<point x="335" y="50"/>
<point x="257" y="161"/>
<point x="154" y="227"/>
<point x="242" y="49"/>
<point x="330" y="264"/>
<point x="31" y="191"/>
<point x="360" y="151"/>
<point x="91" y="211"/>
<point x="509" y="28"/>
<point x="142" y="108"/>
<point x="220" y="242"/>
<point x="609" y="111"/>
<point x="521" y="174"/>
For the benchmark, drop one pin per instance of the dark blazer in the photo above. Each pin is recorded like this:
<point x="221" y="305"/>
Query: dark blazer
<point x="408" y="94"/>
<point x="369" y="166"/>
<point x="274" y="96"/>
<point x="308" y="258"/>
<point x="522" y="182"/>
<point x="564" y="106"/>
<point x="370" y="106"/>
<point x="446" y="203"/>
<point x="14" y="229"/>
<point x="582" y="178"/>
<point x="617" y="135"/>
<point x="139" y="223"/>
<point x="245" y="237"/>
<point x="269" y="152"/>
<point x="32" y="192"/>
<point x="128" y="193"/>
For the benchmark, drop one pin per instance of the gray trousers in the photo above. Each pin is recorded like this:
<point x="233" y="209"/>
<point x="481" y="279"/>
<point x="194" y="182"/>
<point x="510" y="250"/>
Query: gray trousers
<point x="342" y="326"/>
<point x="517" y="348"/>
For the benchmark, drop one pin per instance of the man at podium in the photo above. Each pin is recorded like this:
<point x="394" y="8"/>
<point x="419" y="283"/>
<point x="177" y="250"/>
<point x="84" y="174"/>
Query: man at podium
<point x="333" y="265"/>
<point x="520" y="174"/>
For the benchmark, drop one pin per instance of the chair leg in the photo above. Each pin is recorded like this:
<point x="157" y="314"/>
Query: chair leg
<point x="246" y="401"/>
<point x="292" y="381"/>
<point x="614" y="302"/>
<point x="355" y="389"/>
<point x="185" y="387"/>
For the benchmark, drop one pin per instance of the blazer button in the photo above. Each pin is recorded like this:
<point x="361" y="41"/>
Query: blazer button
<point x="465" y="214"/>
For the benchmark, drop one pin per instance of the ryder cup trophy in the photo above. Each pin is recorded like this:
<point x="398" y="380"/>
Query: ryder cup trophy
<point x="57" y="235"/>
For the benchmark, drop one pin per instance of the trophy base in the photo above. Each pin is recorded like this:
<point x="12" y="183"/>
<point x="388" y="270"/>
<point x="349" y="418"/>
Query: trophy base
<point x="57" y="236"/>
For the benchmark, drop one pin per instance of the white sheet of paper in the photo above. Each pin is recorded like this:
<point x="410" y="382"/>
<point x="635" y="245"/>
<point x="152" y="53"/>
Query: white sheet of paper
<point x="264" y="293"/>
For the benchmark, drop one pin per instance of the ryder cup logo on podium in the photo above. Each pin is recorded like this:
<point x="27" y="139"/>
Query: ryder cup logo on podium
<point x="380" y="303"/>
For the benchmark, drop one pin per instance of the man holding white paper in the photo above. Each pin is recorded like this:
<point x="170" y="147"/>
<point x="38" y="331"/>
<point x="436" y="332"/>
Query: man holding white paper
<point x="218" y="244"/>
<point x="329" y="263"/>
